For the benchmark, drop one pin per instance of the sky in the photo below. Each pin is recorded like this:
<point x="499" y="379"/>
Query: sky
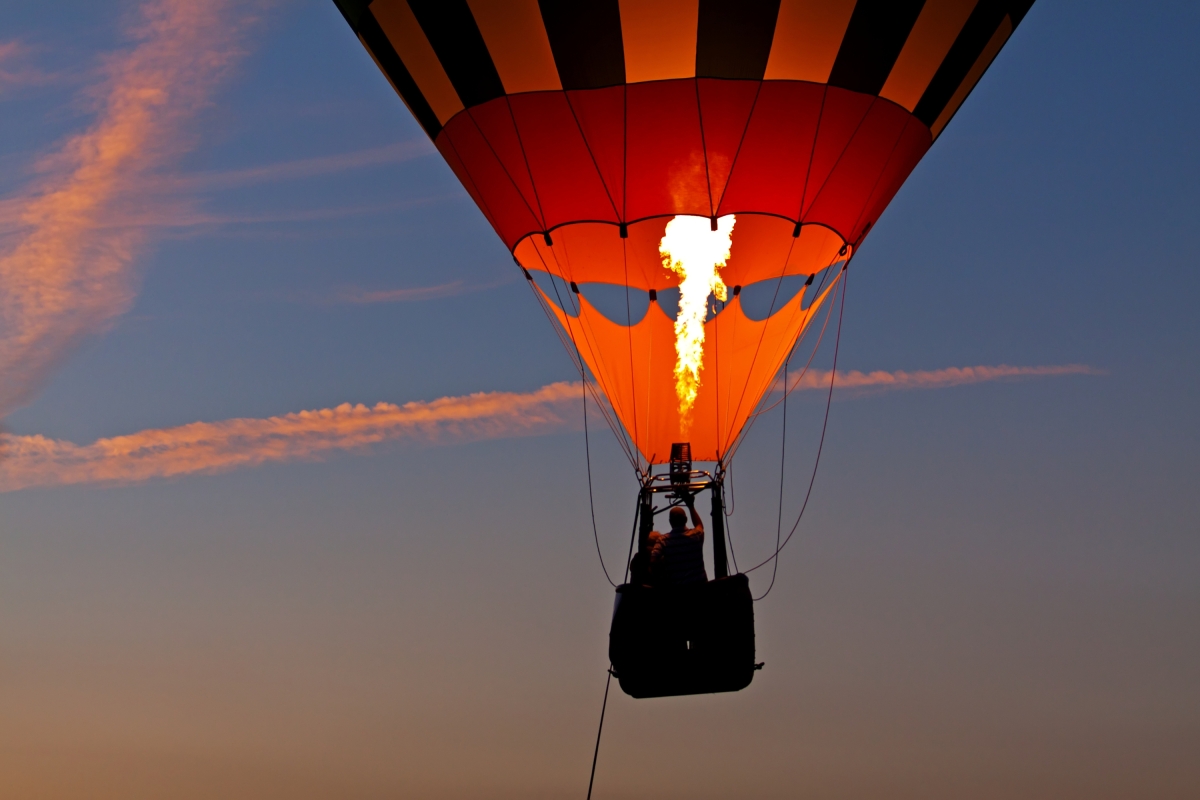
<point x="294" y="489"/>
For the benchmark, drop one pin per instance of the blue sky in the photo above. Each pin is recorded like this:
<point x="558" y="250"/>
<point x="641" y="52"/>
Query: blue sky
<point x="992" y="592"/>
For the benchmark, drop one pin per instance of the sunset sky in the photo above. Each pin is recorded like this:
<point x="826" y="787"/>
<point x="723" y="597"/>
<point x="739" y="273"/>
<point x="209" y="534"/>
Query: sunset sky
<point x="293" y="489"/>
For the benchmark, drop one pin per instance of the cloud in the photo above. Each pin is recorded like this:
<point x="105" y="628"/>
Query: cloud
<point x="14" y="73"/>
<point x="181" y="212"/>
<point x="305" y="167"/>
<point x="212" y="447"/>
<point x="69" y="272"/>
<point x="356" y="296"/>
<point x="931" y="379"/>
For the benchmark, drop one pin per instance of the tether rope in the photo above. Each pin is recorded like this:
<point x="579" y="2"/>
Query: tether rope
<point x="600" y="730"/>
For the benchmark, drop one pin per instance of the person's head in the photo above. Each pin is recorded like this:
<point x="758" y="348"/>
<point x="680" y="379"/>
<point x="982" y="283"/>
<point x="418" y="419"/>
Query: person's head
<point x="678" y="518"/>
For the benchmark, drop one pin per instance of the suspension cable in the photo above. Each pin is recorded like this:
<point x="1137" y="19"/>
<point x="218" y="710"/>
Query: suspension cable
<point x="637" y="513"/>
<point x="791" y="354"/>
<point x="729" y="530"/>
<point x="821" y="444"/>
<point x="782" y="473"/>
<point x="587" y="449"/>
<point x="753" y="417"/>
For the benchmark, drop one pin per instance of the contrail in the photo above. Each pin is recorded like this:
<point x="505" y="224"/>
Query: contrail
<point x="929" y="379"/>
<point x="70" y="271"/>
<point x="212" y="447"/>
<point x="208" y="447"/>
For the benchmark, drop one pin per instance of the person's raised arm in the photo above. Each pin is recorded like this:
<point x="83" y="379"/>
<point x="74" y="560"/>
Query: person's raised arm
<point x="690" y="499"/>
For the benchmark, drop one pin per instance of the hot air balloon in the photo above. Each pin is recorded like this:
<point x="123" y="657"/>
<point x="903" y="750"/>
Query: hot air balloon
<point x="659" y="167"/>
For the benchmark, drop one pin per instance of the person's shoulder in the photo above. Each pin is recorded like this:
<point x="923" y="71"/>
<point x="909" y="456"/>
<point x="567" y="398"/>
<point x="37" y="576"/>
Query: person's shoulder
<point x="697" y="531"/>
<point x="655" y="536"/>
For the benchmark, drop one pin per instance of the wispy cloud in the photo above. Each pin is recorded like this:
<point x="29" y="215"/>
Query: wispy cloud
<point x="70" y="271"/>
<point x="304" y="167"/>
<point x="353" y="295"/>
<point x="15" y="72"/>
<point x="212" y="447"/>
<point x="930" y="379"/>
<point x="181" y="212"/>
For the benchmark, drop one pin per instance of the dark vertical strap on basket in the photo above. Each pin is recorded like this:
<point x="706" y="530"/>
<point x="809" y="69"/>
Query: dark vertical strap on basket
<point x="647" y="520"/>
<point x="720" y="559"/>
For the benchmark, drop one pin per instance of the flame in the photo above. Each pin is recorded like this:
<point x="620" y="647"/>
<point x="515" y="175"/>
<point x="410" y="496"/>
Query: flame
<point x="694" y="252"/>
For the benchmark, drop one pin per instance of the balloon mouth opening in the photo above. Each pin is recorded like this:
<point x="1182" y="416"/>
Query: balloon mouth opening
<point x="691" y="370"/>
<point x="621" y="271"/>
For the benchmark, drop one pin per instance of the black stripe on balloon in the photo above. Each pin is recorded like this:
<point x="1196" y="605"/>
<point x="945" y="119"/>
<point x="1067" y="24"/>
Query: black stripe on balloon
<point x="375" y="39"/>
<point x="1018" y="9"/>
<point x="733" y="38"/>
<point x="585" y="38"/>
<point x="458" y="44"/>
<point x="352" y="10"/>
<point x="965" y="51"/>
<point x="873" y="41"/>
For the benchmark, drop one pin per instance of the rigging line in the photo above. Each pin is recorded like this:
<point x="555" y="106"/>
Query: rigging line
<point x="712" y="210"/>
<point x="629" y="337"/>
<point x="473" y="189"/>
<point x="637" y="513"/>
<point x="763" y="333"/>
<point x="782" y="472"/>
<point x="729" y="533"/>
<point x="767" y="322"/>
<point x="789" y="389"/>
<point x="601" y="390"/>
<point x="578" y="357"/>
<point x="543" y="303"/>
<point x="717" y="370"/>
<point x="812" y="152"/>
<point x="577" y="304"/>
<point x="741" y="141"/>
<point x="595" y="163"/>
<point x="598" y="396"/>
<point x="525" y="157"/>
<point x="600" y="730"/>
<point x="824" y="427"/>
<point x="624" y="152"/>
<point x="882" y="171"/>
<point x="732" y="493"/>
<point x="587" y="449"/>
<point x="504" y="168"/>
<point x="753" y="418"/>
<point x="845" y="149"/>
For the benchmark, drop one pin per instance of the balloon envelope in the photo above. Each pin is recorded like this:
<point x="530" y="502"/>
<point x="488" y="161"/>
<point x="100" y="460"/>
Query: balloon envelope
<point x="582" y="127"/>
